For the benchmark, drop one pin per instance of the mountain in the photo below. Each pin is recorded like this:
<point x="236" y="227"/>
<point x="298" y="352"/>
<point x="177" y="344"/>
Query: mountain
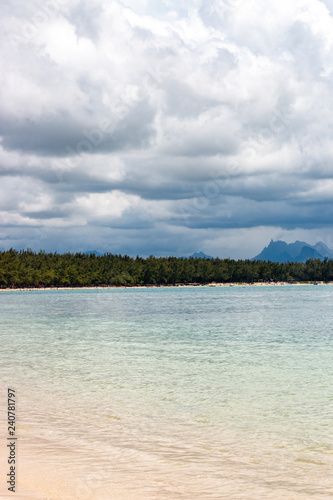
<point x="299" y="251"/>
<point x="308" y="252"/>
<point x="275" y="252"/>
<point x="93" y="252"/>
<point x="200" y="255"/>
<point x="323" y="250"/>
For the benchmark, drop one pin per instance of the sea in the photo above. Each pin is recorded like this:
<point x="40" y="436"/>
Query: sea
<point x="189" y="393"/>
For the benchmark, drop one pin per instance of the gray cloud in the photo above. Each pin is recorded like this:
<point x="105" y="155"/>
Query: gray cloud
<point x="147" y="127"/>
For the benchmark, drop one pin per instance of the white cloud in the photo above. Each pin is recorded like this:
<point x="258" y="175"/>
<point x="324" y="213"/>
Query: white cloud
<point x="104" y="205"/>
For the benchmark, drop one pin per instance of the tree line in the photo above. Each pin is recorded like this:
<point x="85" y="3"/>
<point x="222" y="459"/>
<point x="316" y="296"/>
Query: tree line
<point x="26" y="268"/>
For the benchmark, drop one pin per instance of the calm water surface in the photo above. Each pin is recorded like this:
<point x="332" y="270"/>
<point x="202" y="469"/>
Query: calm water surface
<point x="183" y="393"/>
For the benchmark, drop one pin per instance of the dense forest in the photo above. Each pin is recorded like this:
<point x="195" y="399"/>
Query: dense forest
<point x="31" y="269"/>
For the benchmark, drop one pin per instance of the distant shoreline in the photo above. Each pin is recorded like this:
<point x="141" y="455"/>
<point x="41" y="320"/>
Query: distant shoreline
<point x="180" y="285"/>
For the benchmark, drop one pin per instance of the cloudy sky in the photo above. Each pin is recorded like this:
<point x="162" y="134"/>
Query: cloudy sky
<point x="165" y="126"/>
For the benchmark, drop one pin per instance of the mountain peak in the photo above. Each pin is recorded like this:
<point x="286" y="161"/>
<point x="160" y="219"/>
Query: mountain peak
<point x="93" y="252"/>
<point x="200" y="255"/>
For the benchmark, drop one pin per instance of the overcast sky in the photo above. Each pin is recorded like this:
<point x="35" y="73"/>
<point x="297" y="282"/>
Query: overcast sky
<point x="165" y="126"/>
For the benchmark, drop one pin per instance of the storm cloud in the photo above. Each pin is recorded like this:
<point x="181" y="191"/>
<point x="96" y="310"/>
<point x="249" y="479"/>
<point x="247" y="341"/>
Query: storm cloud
<point x="146" y="127"/>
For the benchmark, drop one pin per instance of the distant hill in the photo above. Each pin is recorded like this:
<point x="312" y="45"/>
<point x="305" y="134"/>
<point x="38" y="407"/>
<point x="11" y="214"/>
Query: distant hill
<point x="200" y="255"/>
<point x="93" y="252"/>
<point x="280" y="251"/>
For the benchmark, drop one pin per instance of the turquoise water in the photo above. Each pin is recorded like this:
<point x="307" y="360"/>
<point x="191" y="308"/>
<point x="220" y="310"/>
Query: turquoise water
<point x="172" y="393"/>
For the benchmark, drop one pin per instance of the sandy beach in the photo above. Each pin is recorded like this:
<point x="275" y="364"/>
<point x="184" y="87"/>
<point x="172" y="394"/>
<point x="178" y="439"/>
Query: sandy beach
<point x="180" y="285"/>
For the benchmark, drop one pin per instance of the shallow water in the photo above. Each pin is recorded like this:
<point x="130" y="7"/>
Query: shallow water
<point x="171" y="393"/>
